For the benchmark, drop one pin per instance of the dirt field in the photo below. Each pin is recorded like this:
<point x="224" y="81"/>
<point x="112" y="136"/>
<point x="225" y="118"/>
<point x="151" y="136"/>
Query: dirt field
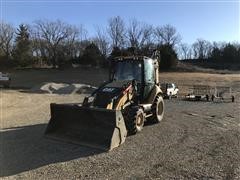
<point x="196" y="140"/>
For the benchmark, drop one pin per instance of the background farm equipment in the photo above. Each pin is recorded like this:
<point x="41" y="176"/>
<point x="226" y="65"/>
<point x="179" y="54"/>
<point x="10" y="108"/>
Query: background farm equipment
<point x="199" y="92"/>
<point x="223" y="94"/>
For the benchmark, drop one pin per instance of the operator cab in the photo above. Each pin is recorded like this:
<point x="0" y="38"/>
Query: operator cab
<point x="139" y="69"/>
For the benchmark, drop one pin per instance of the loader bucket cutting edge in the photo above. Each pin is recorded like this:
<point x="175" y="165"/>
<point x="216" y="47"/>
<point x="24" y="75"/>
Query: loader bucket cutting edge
<point x="94" y="127"/>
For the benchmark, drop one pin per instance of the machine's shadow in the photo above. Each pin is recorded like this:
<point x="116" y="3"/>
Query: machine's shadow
<point x="25" y="148"/>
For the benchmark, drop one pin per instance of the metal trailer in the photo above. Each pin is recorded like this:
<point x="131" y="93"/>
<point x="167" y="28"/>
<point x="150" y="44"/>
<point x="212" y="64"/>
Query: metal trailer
<point x="199" y="92"/>
<point x="223" y="93"/>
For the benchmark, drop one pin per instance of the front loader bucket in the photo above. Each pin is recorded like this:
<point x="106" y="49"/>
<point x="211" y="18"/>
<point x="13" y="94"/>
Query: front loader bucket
<point x="94" y="127"/>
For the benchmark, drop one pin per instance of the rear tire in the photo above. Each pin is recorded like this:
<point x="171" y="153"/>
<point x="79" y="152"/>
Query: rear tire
<point x="212" y="98"/>
<point x="135" y="122"/>
<point x="207" y="97"/>
<point x="157" y="109"/>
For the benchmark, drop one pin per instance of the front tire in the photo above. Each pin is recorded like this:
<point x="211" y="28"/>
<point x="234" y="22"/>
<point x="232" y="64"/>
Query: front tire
<point x="135" y="121"/>
<point x="157" y="109"/>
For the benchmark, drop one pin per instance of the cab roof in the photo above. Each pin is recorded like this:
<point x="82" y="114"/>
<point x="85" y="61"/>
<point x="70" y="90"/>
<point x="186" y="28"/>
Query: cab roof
<point x="125" y="58"/>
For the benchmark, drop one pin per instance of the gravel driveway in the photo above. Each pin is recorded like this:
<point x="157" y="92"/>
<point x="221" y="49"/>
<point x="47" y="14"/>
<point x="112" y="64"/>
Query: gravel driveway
<point x="196" y="140"/>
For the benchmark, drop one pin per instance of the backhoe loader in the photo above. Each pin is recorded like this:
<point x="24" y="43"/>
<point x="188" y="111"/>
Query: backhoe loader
<point x="119" y="107"/>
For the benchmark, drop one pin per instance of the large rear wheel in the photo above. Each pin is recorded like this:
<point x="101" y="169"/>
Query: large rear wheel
<point x="157" y="109"/>
<point x="135" y="121"/>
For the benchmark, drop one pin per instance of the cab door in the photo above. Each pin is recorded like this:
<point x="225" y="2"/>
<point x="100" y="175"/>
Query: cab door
<point x="149" y="77"/>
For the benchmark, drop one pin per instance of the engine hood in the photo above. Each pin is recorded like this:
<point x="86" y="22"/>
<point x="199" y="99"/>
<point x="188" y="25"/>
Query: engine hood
<point x="108" y="92"/>
<point x="118" y="84"/>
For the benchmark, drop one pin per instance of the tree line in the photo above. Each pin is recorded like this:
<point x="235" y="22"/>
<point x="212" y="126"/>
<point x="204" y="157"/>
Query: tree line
<point x="202" y="50"/>
<point x="57" y="43"/>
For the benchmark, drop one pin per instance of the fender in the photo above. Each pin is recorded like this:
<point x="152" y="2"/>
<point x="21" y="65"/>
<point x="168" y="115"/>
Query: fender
<point x="155" y="91"/>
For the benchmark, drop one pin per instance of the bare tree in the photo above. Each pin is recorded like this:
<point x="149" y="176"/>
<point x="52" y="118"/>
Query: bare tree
<point x="201" y="49"/>
<point x="55" y="34"/>
<point x="147" y="35"/>
<point x="83" y="33"/>
<point x="39" y="45"/>
<point x="6" y="38"/>
<point x="116" y="30"/>
<point x="167" y="35"/>
<point x="190" y="53"/>
<point x="76" y="42"/>
<point x="219" y="45"/>
<point x="101" y="40"/>
<point x="71" y="44"/>
<point x="134" y="33"/>
<point x="139" y="34"/>
<point x="184" y="51"/>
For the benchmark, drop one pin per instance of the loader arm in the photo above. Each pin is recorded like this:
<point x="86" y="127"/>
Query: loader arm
<point x="125" y="96"/>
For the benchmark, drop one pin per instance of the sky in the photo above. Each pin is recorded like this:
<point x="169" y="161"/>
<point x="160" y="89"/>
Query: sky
<point x="213" y="20"/>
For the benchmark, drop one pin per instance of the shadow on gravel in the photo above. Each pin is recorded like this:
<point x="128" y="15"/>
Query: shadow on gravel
<point x="25" y="148"/>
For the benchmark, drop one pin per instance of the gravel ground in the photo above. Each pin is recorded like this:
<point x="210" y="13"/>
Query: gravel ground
<point x="196" y="140"/>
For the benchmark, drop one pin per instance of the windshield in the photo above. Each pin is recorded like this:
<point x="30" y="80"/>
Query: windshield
<point x="128" y="70"/>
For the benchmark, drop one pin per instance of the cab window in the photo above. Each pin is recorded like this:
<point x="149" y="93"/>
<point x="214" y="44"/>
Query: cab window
<point x="149" y="71"/>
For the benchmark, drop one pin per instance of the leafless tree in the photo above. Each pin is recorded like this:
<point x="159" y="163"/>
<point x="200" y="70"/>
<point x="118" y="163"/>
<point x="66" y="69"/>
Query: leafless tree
<point x="219" y="45"/>
<point x="71" y="44"/>
<point x="190" y="53"/>
<point x="6" y="38"/>
<point x="147" y="35"/>
<point x="76" y="42"/>
<point x="83" y="33"/>
<point x="184" y="51"/>
<point x="39" y="46"/>
<point x="101" y="40"/>
<point x="139" y="34"/>
<point x="201" y="49"/>
<point x="167" y="34"/>
<point x="117" y="31"/>
<point x="55" y="34"/>
<point x="134" y="33"/>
